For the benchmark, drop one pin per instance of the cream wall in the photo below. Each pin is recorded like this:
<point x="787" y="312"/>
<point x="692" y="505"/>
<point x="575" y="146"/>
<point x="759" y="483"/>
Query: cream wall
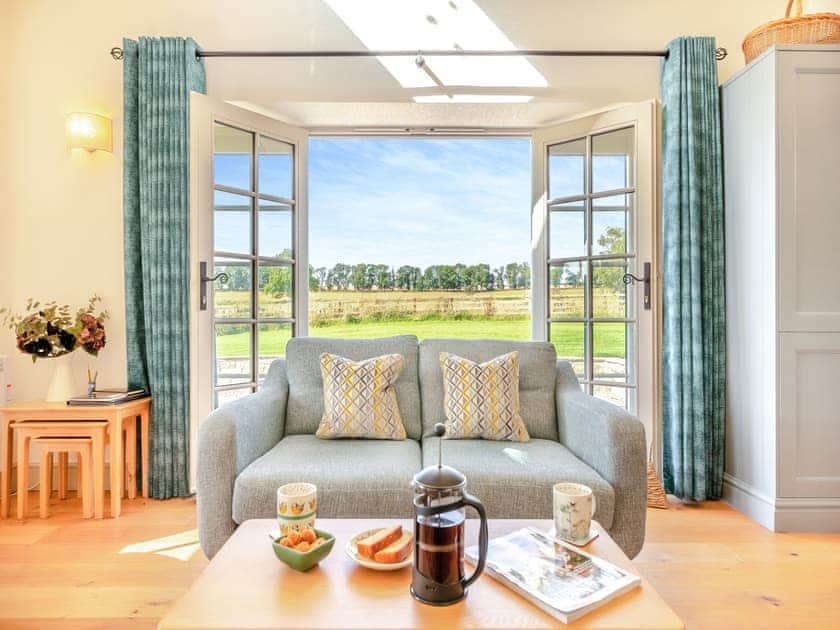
<point x="60" y="213"/>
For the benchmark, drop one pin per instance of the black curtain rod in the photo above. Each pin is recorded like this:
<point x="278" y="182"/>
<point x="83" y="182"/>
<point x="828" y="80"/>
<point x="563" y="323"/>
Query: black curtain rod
<point x="720" y="53"/>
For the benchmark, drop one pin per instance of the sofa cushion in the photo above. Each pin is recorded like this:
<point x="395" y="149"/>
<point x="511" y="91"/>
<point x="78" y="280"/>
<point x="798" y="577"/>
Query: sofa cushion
<point x="306" y="386"/>
<point x="359" y="398"/>
<point x="355" y="478"/>
<point x="537" y="376"/>
<point x="481" y="400"/>
<point x="515" y="479"/>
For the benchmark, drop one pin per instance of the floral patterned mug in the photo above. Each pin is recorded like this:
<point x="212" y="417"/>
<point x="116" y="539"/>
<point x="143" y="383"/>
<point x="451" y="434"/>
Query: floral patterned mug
<point x="574" y="507"/>
<point x="297" y="504"/>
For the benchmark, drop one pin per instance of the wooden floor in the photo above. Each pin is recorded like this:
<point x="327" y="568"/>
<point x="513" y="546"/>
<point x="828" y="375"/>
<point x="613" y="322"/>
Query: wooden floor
<point x="715" y="567"/>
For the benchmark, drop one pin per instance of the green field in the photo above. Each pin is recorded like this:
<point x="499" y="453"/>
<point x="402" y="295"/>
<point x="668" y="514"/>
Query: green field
<point x="500" y="314"/>
<point x="568" y="339"/>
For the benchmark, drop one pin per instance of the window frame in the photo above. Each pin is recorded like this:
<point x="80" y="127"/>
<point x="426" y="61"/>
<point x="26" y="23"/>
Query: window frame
<point x="541" y="256"/>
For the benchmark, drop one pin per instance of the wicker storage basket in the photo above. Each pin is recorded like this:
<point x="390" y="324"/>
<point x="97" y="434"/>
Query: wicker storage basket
<point x="655" y="492"/>
<point x="816" y="28"/>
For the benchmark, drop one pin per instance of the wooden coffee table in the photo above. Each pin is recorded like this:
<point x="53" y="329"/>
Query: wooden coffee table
<point x="245" y="586"/>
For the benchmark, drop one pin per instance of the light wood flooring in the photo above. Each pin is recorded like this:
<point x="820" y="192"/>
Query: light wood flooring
<point x="714" y="566"/>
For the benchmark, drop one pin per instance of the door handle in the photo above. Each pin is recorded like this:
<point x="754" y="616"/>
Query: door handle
<point x="629" y="277"/>
<point x="204" y="279"/>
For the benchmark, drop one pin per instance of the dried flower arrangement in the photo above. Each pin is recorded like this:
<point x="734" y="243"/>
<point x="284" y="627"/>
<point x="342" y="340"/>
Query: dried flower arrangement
<point x="50" y="330"/>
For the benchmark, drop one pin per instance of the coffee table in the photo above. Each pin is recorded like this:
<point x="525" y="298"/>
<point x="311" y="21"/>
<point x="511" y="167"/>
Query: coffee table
<point x="245" y="586"/>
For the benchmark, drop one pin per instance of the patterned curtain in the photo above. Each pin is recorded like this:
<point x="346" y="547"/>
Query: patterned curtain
<point x="693" y="359"/>
<point x="158" y="75"/>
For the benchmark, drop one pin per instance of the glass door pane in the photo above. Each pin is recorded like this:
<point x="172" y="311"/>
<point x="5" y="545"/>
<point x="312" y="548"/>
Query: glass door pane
<point x="233" y="151"/>
<point x="232" y="293"/>
<point x="234" y="354"/>
<point x="253" y="239"/>
<point x="591" y="311"/>
<point x="567" y="169"/>
<point x="276" y="167"/>
<point x="567" y="290"/>
<point x="612" y="159"/>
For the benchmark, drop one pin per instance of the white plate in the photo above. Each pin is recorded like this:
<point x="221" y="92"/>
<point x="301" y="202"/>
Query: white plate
<point x="353" y="552"/>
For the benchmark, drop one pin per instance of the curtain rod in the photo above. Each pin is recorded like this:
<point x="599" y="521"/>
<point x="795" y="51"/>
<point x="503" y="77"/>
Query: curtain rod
<point x="720" y="53"/>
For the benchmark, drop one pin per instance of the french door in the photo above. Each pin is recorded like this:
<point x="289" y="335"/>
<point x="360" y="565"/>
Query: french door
<point x="594" y="291"/>
<point x="248" y="205"/>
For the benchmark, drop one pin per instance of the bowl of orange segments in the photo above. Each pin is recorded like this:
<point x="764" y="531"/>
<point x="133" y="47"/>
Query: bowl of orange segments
<point x="303" y="549"/>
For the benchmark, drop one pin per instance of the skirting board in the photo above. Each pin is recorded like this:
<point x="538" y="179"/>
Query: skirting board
<point x="744" y="498"/>
<point x="781" y="514"/>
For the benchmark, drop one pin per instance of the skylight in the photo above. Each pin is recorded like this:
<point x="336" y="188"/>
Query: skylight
<point x="473" y="98"/>
<point x="437" y="25"/>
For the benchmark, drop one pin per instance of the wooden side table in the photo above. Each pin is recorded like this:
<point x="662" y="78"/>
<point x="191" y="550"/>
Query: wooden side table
<point x="47" y="411"/>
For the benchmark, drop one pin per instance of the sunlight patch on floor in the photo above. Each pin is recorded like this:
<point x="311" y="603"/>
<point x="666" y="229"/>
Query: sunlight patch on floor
<point x="181" y="546"/>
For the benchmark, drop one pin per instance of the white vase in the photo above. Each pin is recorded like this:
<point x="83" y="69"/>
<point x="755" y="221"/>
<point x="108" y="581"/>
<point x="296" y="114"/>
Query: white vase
<point x="63" y="382"/>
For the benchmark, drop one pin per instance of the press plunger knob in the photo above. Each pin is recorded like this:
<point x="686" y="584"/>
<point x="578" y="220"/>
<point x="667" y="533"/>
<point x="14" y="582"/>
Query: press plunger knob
<point x="440" y="431"/>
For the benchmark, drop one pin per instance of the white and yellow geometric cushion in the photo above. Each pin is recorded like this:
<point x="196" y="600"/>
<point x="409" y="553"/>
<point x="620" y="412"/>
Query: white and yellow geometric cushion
<point x="359" y="398"/>
<point x="481" y="400"/>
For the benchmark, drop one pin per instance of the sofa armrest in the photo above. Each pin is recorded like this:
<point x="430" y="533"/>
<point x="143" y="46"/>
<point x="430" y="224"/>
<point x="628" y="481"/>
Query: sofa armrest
<point x="232" y="437"/>
<point x="612" y="442"/>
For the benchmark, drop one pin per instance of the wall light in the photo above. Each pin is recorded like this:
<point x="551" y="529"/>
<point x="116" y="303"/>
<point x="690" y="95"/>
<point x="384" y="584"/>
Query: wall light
<point x="91" y="132"/>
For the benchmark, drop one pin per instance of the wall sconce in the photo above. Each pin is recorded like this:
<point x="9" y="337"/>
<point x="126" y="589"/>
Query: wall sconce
<point x="91" y="132"/>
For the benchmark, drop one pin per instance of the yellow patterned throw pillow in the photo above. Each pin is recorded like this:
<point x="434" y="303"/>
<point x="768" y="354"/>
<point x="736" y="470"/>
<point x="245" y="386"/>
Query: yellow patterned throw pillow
<point x="359" y="398"/>
<point x="481" y="400"/>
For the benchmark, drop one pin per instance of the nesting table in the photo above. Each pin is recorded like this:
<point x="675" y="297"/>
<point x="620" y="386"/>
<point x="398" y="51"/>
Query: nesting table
<point x="40" y="411"/>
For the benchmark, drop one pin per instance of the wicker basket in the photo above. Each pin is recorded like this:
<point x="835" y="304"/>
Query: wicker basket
<point x="655" y="493"/>
<point x="816" y="28"/>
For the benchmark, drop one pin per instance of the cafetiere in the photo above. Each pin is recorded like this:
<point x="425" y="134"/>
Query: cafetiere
<point x="440" y="497"/>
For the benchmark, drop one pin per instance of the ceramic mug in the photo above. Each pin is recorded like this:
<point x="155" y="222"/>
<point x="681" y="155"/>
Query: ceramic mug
<point x="297" y="504"/>
<point x="574" y="507"/>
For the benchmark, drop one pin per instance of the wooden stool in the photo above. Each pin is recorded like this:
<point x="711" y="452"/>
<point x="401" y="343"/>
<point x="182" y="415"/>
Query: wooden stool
<point x="63" y="446"/>
<point x="129" y="458"/>
<point x="95" y="430"/>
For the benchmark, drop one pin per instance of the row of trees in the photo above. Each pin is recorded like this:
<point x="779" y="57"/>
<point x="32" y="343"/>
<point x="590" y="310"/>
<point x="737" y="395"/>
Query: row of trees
<point x="277" y="280"/>
<point x="459" y="277"/>
<point x="367" y="277"/>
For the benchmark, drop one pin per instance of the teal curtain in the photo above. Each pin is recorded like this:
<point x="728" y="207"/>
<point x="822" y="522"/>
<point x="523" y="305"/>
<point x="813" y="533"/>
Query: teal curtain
<point x="158" y="75"/>
<point x="693" y="361"/>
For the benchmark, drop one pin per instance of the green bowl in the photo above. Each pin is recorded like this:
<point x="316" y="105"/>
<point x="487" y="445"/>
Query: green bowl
<point x="305" y="560"/>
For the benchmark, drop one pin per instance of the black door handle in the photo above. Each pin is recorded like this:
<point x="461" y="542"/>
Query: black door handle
<point x="204" y="279"/>
<point x="629" y="277"/>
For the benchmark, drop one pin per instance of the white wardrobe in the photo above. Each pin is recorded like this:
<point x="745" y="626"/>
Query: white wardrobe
<point x="781" y="137"/>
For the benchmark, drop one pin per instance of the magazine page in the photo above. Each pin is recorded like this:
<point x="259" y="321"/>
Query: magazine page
<point x="558" y="576"/>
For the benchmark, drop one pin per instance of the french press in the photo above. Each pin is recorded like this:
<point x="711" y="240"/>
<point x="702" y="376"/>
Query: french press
<point x="440" y="497"/>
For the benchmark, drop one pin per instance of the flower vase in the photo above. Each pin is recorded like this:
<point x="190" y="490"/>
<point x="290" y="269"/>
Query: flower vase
<point x="63" y="383"/>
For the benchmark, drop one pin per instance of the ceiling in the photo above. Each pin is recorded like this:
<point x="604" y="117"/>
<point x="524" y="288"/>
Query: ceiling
<point x="362" y="92"/>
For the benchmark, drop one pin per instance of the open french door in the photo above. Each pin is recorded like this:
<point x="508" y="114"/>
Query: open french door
<point x="595" y="254"/>
<point x="248" y="250"/>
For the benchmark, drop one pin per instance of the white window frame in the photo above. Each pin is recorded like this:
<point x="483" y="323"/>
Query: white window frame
<point x="204" y="112"/>
<point x="643" y="116"/>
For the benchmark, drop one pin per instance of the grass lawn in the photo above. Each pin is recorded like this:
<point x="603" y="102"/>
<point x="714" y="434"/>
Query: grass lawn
<point x="608" y="341"/>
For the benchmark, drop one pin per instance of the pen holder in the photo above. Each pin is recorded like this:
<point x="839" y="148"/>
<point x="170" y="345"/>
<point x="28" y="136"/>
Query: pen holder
<point x="91" y="389"/>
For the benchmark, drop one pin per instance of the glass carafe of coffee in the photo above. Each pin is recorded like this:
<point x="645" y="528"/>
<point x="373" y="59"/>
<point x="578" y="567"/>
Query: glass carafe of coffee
<point x="439" y="500"/>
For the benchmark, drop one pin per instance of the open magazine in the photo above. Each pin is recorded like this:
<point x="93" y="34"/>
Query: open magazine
<point x="559" y="578"/>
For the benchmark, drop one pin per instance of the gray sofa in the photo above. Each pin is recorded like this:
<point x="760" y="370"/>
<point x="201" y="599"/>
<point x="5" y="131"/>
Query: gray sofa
<point x="249" y="447"/>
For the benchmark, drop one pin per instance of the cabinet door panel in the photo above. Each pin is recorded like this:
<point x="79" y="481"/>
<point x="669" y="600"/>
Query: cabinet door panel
<point x="809" y="191"/>
<point x="809" y="415"/>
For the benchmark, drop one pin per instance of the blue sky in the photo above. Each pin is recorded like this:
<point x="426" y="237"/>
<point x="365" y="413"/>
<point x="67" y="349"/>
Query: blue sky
<point x="415" y="201"/>
<point x="419" y="201"/>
